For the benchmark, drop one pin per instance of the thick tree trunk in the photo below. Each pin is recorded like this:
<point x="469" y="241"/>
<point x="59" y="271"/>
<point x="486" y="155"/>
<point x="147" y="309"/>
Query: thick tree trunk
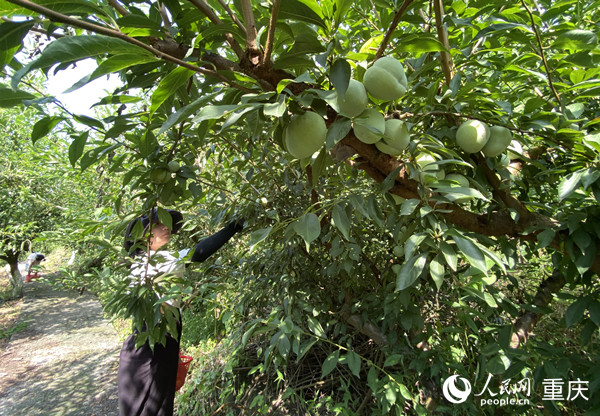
<point x="523" y="326"/>
<point x="16" y="280"/>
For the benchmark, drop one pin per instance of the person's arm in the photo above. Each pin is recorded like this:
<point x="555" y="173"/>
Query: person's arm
<point x="205" y="248"/>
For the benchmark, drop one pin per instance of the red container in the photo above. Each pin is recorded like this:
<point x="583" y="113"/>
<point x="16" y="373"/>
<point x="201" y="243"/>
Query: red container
<point x="182" y="369"/>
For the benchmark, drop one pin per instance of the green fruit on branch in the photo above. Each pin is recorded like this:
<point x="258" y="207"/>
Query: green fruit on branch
<point x="173" y="166"/>
<point x="457" y="177"/>
<point x="395" y="137"/>
<point x="385" y="79"/>
<point x="355" y="100"/>
<point x="160" y="175"/>
<point x="500" y="138"/>
<point x="305" y="134"/>
<point x="369" y="126"/>
<point x="472" y="135"/>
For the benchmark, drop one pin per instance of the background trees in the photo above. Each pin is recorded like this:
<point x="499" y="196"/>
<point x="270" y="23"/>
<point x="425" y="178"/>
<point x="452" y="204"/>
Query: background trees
<point x="344" y="298"/>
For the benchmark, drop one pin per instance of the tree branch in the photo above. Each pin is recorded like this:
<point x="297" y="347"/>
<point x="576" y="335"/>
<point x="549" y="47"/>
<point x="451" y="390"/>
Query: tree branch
<point x="445" y="58"/>
<point x="92" y="27"/>
<point x="524" y="325"/>
<point x="205" y="8"/>
<point x="391" y="29"/>
<point x="250" y="25"/>
<point x="233" y="16"/>
<point x="542" y="54"/>
<point x="122" y="10"/>
<point x="271" y="33"/>
<point x="366" y="328"/>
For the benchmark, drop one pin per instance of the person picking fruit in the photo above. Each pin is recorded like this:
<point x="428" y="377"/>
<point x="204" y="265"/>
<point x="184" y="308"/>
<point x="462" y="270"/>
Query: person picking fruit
<point x="147" y="377"/>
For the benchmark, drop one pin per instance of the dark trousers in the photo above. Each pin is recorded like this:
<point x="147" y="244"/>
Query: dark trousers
<point x="146" y="380"/>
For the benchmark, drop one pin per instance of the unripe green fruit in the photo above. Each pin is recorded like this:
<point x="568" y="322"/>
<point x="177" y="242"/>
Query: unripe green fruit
<point x="305" y="134"/>
<point x="355" y="100"/>
<point x="173" y="166"/>
<point x="395" y="137"/>
<point x="385" y="79"/>
<point x="160" y="175"/>
<point x="472" y="135"/>
<point x="396" y="134"/>
<point x="369" y="126"/>
<point x="500" y="138"/>
<point x="457" y="177"/>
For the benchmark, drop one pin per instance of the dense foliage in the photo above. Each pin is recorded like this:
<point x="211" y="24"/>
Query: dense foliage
<point x="364" y="281"/>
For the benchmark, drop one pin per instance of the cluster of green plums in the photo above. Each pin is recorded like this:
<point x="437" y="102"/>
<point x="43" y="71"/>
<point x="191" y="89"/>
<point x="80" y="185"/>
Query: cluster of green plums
<point x="385" y="80"/>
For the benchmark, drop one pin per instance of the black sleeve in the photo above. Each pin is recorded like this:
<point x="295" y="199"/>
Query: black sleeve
<point x="205" y="248"/>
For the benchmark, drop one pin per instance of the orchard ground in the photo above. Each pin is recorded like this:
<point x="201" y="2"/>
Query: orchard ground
<point x="58" y="354"/>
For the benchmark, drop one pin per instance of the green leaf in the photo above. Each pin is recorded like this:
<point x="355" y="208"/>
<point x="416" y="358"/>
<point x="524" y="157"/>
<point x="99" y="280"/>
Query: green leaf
<point x="74" y="48"/>
<point x="11" y="98"/>
<point x="410" y="271"/>
<point x="330" y="363"/>
<point x="164" y="217"/>
<point x="77" y="146"/>
<point x="259" y="235"/>
<point x="418" y="43"/>
<point x="437" y="270"/>
<point x="185" y="112"/>
<point x="276" y="109"/>
<point x="353" y="360"/>
<point x="337" y="131"/>
<point x="594" y="309"/>
<point x="341" y="220"/>
<point x="498" y="364"/>
<point x="308" y="227"/>
<point x="545" y="237"/>
<point x="113" y="64"/>
<point x="43" y="127"/>
<point x="213" y="112"/>
<point x="576" y="39"/>
<point x="315" y="327"/>
<point x="169" y="86"/>
<point x="568" y="185"/>
<point x="449" y="255"/>
<point x="408" y="206"/>
<point x="471" y="252"/>
<point x="11" y="38"/>
<point x="302" y="11"/>
<point x="575" y="311"/>
<point x="340" y="76"/>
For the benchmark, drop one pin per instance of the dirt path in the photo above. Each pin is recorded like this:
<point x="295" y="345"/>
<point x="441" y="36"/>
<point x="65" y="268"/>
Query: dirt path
<point x="64" y="362"/>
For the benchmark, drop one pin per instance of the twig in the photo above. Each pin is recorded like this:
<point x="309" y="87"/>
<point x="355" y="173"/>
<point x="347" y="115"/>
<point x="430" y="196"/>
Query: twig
<point x="205" y="8"/>
<point x="542" y="54"/>
<point x="122" y="11"/>
<point x="233" y="16"/>
<point x="391" y="29"/>
<point x="271" y="32"/>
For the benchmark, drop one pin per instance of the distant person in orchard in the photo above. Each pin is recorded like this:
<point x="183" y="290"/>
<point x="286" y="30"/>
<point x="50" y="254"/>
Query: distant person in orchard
<point x="146" y="379"/>
<point x="33" y="260"/>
